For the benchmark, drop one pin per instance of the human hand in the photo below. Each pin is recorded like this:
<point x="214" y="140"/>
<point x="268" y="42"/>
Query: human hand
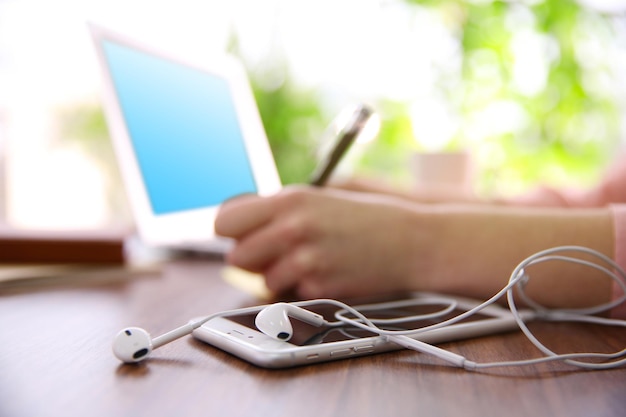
<point x="327" y="243"/>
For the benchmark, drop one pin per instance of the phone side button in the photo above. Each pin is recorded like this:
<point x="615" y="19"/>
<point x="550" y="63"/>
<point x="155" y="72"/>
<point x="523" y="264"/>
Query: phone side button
<point x="341" y="352"/>
<point x="363" y="349"/>
<point x="312" y="356"/>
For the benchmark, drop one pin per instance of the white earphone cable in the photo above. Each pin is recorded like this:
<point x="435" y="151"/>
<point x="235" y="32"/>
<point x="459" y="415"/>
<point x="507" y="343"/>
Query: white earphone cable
<point x="518" y="280"/>
<point x="134" y="344"/>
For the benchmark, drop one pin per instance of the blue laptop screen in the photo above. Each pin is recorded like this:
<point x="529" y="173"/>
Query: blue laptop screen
<point x="184" y="129"/>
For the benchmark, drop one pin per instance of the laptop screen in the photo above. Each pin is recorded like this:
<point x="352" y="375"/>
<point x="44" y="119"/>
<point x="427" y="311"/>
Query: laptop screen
<point x="184" y="129"/>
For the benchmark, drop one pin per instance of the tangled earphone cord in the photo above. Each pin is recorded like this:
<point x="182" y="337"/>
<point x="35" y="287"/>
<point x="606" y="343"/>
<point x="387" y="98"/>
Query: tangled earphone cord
<point x="517" y="281"/>
<point x="582" y="315"/>
<point x="134" y="344"/>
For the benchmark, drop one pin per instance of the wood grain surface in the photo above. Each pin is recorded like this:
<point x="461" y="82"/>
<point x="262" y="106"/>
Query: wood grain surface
<point x="56" y="360"/>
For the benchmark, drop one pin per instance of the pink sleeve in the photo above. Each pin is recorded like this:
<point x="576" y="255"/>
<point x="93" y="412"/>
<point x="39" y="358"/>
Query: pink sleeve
<point x="619" y="220"/>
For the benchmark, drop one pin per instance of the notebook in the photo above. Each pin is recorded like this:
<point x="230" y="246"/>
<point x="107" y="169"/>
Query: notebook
<point x="187" y="136"/>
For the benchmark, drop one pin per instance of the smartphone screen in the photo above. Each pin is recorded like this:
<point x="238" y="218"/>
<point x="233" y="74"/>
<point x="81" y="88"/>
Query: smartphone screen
<point x="236" y="332"/>
<point x="306" y="335"/>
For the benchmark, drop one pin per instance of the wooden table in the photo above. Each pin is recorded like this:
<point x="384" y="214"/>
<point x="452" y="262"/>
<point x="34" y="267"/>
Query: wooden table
<point x="56" y="360"/>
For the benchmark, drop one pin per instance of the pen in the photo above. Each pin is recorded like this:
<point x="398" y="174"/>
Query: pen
<point x="346" y="137"/>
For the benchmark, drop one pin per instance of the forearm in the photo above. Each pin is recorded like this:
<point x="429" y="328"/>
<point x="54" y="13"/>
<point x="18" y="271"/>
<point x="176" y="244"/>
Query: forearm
<point x="475" y="250"/>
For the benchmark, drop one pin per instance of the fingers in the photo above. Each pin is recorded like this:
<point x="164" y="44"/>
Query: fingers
<point x="303" y="240"/>
<point x="239" y="216"/>
<point x="302" y="264"/>
<point x="310" y="272"/>
<point x="246" y="213"/>
<point x="257" y="251"/>
<point x="274" y="236"/>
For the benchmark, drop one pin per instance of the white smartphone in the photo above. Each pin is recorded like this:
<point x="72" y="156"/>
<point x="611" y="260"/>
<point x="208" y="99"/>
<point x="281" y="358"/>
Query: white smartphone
<point x="237" y="334"/>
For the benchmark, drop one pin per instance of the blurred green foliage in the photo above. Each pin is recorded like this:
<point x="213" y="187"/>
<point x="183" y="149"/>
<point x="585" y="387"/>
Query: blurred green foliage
<point x="292" y="118"/>
<point x="572" y="126"/>
<point x="569" y="128"/>
<point x="292" y="115"/>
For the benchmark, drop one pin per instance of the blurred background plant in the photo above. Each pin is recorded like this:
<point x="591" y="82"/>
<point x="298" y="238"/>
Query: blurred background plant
<point x="533" y="90"/>
<point x="529" y="88"/>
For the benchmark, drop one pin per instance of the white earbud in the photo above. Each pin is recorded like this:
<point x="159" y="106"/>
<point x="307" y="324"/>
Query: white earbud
<point x="134" y="344"/>
<point x="274" y="321"/>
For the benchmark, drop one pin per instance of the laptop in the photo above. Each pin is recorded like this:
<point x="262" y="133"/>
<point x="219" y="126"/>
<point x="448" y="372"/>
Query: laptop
<point x="187" y="136"/>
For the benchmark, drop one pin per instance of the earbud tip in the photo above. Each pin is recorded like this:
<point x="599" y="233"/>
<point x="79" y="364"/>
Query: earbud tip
<point x="132" y="344"/>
